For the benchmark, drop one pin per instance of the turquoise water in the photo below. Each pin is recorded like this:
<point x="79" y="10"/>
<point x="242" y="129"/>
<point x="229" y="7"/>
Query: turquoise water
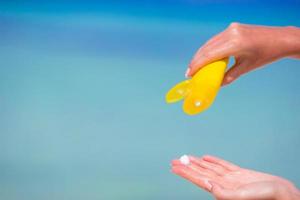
<point x="82" y="111"/>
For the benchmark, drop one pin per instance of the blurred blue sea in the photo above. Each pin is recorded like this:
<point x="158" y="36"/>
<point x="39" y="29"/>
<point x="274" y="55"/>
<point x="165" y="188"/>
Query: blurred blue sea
<point x="82" y="111"/>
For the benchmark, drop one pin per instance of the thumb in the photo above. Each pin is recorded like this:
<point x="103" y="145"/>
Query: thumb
<point x="234" y="72"/>
<point x="221" y="193"/>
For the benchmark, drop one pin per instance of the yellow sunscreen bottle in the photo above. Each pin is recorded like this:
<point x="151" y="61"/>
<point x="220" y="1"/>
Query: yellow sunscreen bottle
<point x="200" y="91"/>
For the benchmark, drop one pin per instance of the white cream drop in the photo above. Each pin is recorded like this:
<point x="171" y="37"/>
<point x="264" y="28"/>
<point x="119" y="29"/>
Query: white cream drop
<point x="184" y="160"/>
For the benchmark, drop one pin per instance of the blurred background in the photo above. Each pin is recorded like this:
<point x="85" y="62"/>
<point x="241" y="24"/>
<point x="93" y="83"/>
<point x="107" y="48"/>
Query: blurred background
<point x="82" y="110"/>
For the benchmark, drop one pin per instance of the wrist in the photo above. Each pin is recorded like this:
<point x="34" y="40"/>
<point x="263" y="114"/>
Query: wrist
<point x="291" y="41"/>
<point x="284" y="192"/>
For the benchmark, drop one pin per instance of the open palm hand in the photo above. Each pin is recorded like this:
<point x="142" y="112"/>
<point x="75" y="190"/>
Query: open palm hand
<point x="227" y="181"/>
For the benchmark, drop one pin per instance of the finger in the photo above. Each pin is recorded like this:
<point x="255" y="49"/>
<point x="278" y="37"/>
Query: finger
<point x="204" y="51"/>
<point x="192" y="176"/>
<point x="215" y="169"/>
<point x="176" y="162"/>
<point x="198" y="169"/>
<point x="206" y="48"/>
<point x="215" y="38"/>
<point x="219" y="161"/>
<point x="211" y="41"/>
<point x="203" y="171"/>
<point x="221" y="193"/>
<point x="206" y="57"/>
<point x="234" y="72"/>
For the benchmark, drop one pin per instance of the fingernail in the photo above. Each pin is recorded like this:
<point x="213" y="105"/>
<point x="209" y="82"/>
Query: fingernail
<point x="227" y="80"/>
<point x="209" y="185"/>
<point x="187" y="72"/>
<point x="174" y="171"/>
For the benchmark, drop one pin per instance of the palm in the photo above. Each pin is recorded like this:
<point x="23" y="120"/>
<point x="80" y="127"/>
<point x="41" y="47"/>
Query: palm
<point x="228" y="181"/>
<point x="241" y="177"/>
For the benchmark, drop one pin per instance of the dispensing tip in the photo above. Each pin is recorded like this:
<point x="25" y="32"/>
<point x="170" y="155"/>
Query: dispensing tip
<point x="198" y="103"/>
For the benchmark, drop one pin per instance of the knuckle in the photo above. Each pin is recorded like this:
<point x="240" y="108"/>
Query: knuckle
<point x="235" y="29"/>
<point x="234" y="25"/>
<point x="229" y="79"/>
<point x="236" y="32"/>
